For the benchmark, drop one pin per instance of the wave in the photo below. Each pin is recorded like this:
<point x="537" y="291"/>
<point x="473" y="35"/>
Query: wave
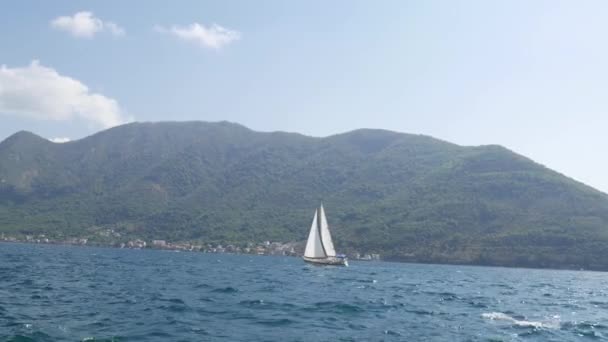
<point x="228" y="289"/>
<point x="586" y="329"/>
<point x="337" y="307"/>
<point x="175" y="308"/>
<point x="20" y="338"/>
<point x="501" y="316"/>
<point x="275" y="322"/>
<point x="420" y="312"/>
<point x="175" y="300"/>
<point x="37" y="336"/>
<point x="254" y="302"/>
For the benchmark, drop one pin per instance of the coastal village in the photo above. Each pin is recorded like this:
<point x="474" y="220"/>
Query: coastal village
<point x="264" y="248"/>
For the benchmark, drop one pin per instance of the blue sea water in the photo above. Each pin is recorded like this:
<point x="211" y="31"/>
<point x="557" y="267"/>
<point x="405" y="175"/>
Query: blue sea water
<point x="66" y="293"/>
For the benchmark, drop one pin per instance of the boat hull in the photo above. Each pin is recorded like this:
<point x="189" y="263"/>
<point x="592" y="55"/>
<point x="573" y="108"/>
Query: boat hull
<point x="329" y="261"/>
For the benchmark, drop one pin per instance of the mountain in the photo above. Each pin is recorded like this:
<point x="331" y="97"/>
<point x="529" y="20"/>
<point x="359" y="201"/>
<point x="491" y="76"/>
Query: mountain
<point x="407" y="197"/>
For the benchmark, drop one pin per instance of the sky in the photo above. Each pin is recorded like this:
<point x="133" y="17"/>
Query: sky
<point x="529" y="75"/>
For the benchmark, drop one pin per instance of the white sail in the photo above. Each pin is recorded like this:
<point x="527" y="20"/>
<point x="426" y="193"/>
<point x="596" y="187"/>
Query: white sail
<point x="325" y="235"/>
<point x="314" y="248"/>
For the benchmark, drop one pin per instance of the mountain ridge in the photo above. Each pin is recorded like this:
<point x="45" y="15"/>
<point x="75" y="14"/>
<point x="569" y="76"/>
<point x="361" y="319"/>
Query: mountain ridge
<point x="408" y="197"/>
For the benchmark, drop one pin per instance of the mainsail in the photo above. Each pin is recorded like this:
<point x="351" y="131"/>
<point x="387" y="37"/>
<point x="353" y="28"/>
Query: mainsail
<point x="325" y="236"/>
<point x="314" y="246"/>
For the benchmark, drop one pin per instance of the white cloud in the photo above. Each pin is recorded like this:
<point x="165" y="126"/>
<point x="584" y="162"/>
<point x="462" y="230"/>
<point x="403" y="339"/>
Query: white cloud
<point x="60" y="140"/>
<point x="85" y="25"/>
<point x="214" y="36"/>
<point x="114" y="28"/>
<point x="40" y="92"/>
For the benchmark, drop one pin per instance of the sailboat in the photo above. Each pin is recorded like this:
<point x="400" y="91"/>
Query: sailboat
<point x="319" y="247"/>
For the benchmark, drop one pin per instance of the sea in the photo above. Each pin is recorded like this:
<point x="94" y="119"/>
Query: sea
<point x="70" y="293"/>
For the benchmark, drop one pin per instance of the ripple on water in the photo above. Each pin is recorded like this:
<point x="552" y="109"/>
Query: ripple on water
<point x="36" y="336"/>
<point x="279" y="322"/>
<point x="260" y="304"/>
<point x="174" y="300"/>
<point x="228" y="289"/>
<point x="354" y="326"/>
<point x="420" y="312"/>
<point x="250" y="303"/>
<point x="101" y="339"/>
<point x="599" y="304"/>
<point x="391" y="333"/>
<point x="520" y="321"/>
<point x="26" y="283"/>
<point x="157" y="296"/>
<point x="338" y="307"/>
<point x="175" y="308"/>
<point x="585" y="327"/>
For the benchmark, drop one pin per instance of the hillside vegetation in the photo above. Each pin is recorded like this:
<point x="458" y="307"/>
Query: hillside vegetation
<point x="407" y="197"/>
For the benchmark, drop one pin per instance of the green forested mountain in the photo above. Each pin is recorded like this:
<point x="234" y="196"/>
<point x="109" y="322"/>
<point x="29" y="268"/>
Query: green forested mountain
<point x="408" y="197"/>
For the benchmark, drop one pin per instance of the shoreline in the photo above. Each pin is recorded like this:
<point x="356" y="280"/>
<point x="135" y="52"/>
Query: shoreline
<point x="389" y="260"/>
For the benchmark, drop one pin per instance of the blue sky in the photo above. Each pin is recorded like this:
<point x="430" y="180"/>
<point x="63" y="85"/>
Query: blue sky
<point x="529" y="75"/>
